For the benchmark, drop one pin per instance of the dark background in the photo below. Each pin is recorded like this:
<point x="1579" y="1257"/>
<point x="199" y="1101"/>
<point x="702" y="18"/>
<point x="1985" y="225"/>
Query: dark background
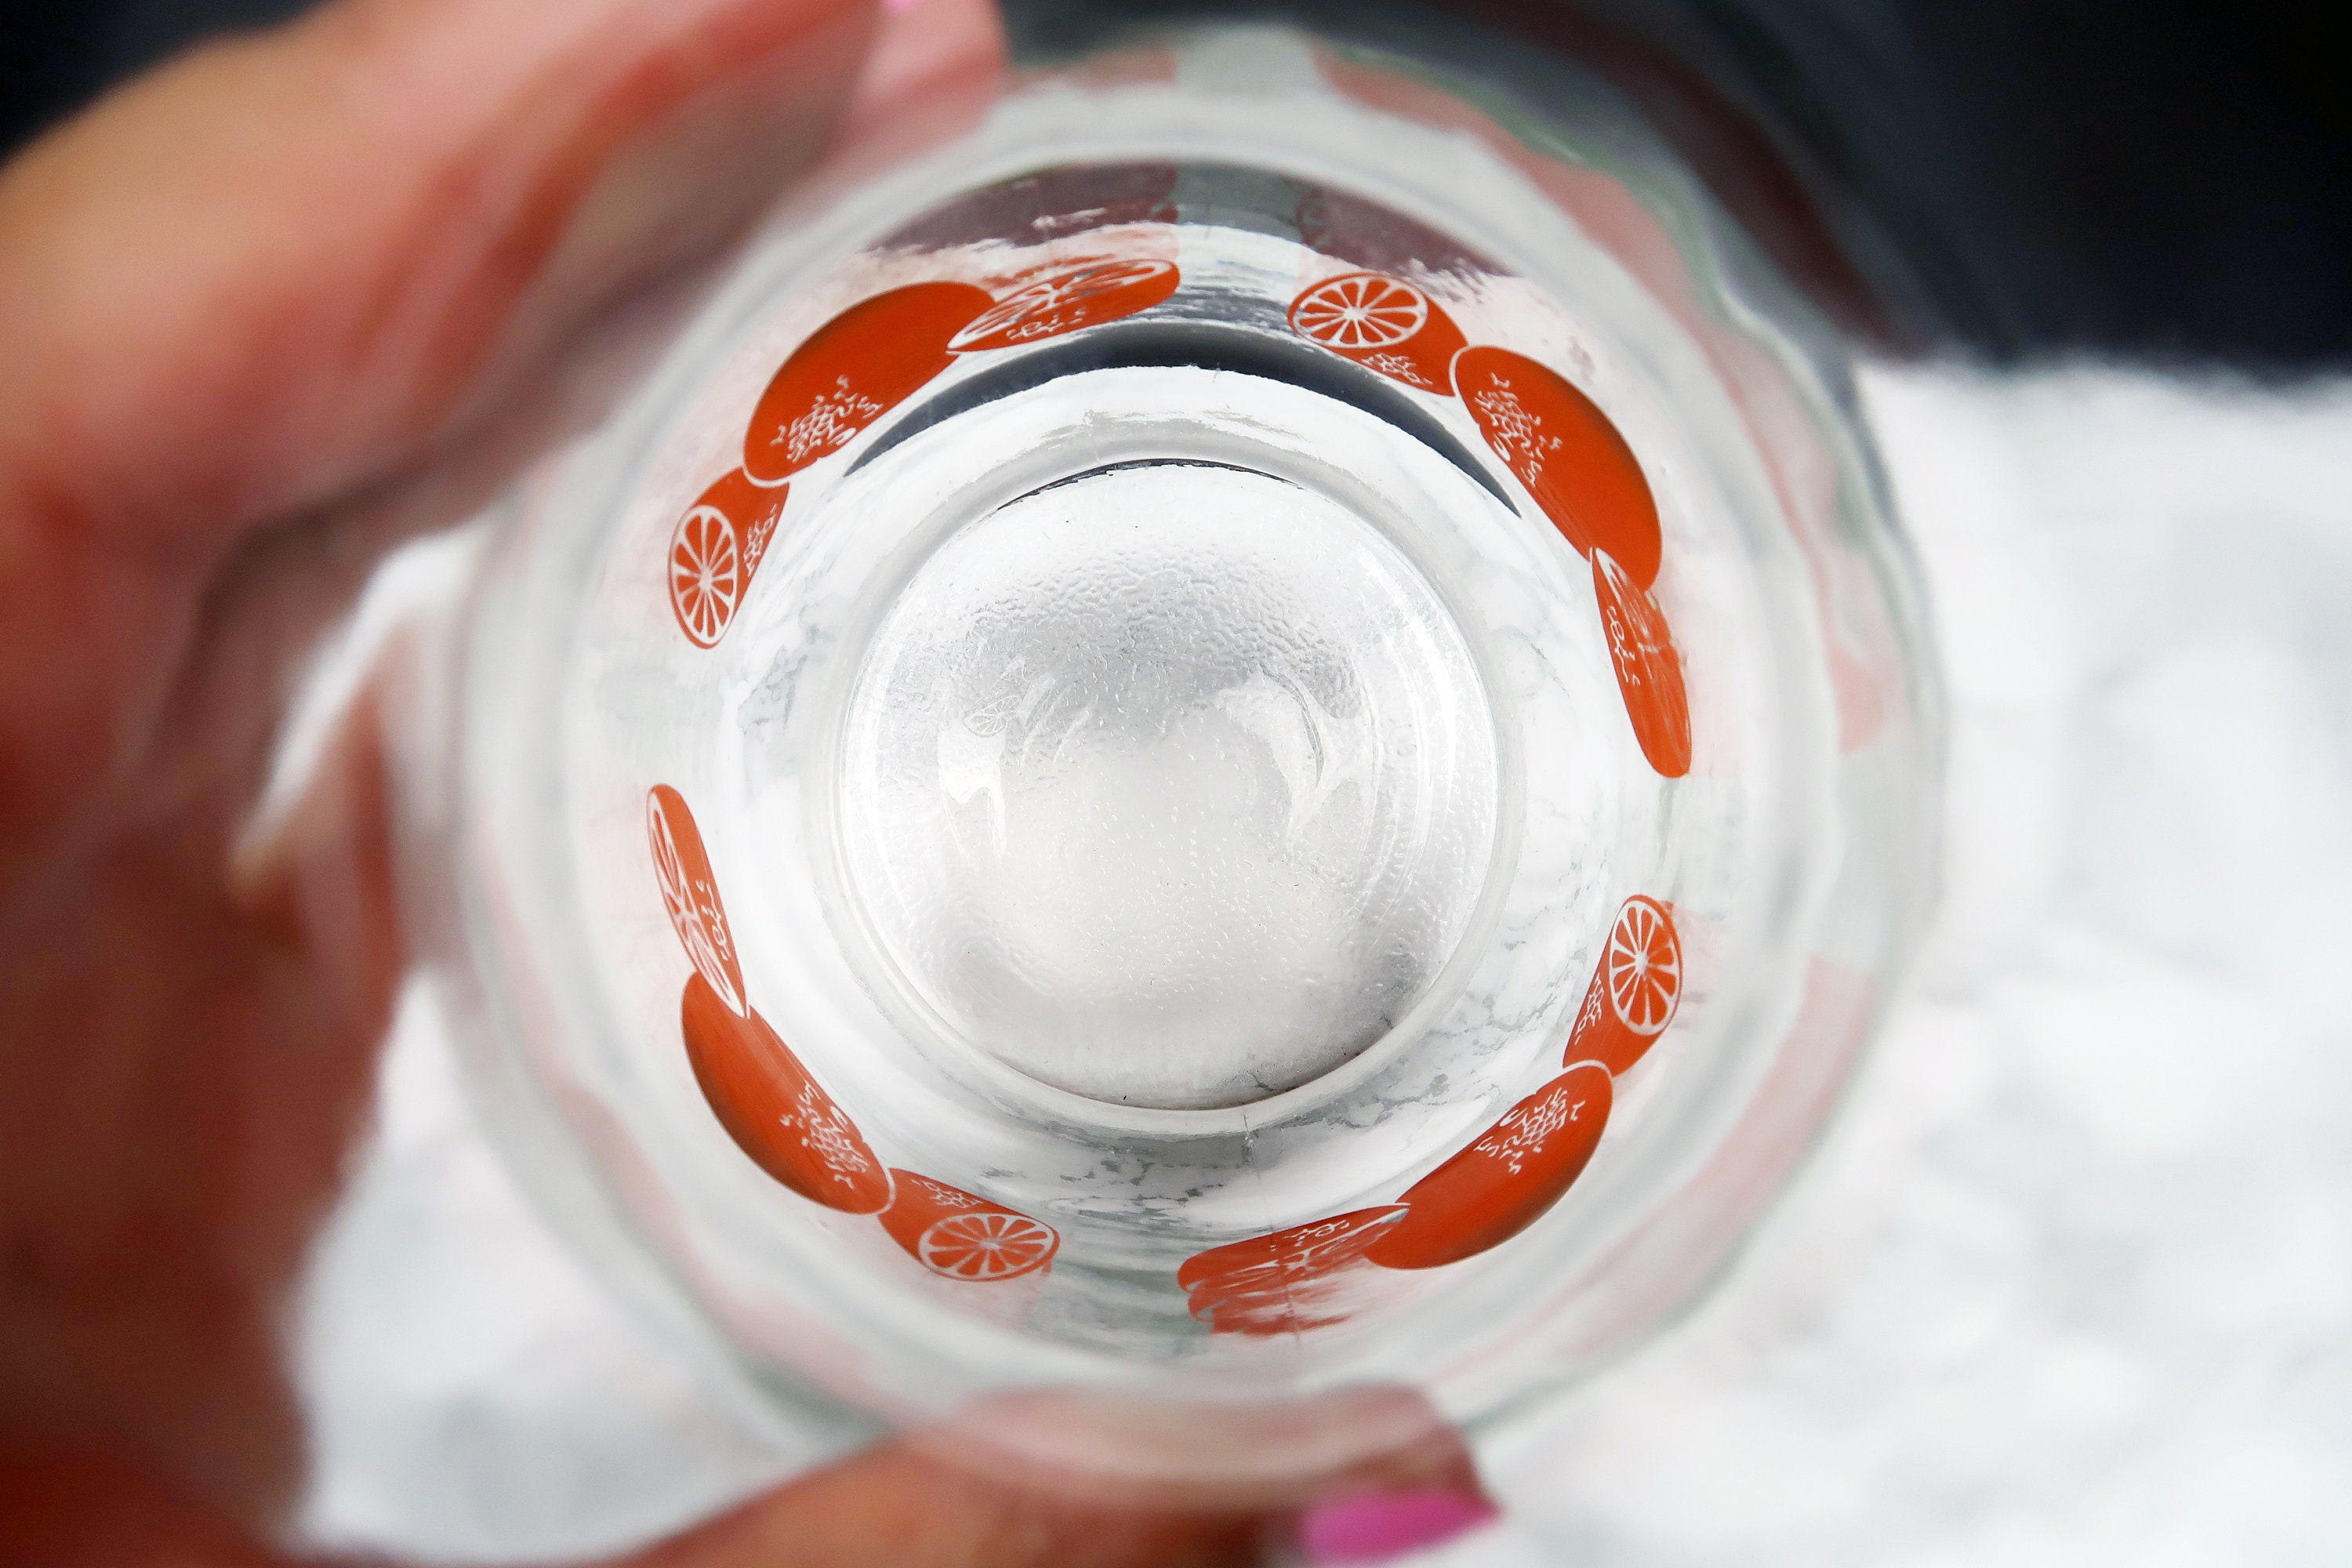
<point x="2013" y="178"/>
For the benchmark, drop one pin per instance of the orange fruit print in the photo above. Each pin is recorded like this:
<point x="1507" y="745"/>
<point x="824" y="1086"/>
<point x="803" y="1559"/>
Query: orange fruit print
<point x="852" y="371"/>
<point x="1503" y="1183"/>
<point x="690" y="894"/>
<point x="1383" y="323"/>
<point x="1649" y="670"/>
<point x="1303" y="1250"/>
<point x="715" y="549"/>
<point x="1084" y="295"/>
<point x="1266" y="1314"/>
<point x="774" y="1110"/>
<point x="1568" y="454"/>
<point x="955" y="1234"/>
<point x="1636" y="988"/>
<point x="1264" y="1285"/>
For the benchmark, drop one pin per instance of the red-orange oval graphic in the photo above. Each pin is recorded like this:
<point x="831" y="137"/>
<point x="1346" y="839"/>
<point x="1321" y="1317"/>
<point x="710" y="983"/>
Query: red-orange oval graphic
<point x="1084" y="295"/>
<point x="715" y="549"/>
<point x="774" y="1110"/>
<point x="1264" y="1314"/>
<point x="1636" y="988"/>
<point x="1648" y="669"/>
<point x="1503" y="1183"/>
<point x="1271" y="1284"/>
<point x="852" y="371"/>
<point x="1264" y="1262"/>
<point x="690" y="893"/>
<point x="954" y="1234"/>
<point x="1383" y="323"/>
<point x="1568" y="454"/>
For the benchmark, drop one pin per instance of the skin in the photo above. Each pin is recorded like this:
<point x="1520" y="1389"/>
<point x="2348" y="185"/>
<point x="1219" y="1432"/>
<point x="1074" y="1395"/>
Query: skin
<point x="265" y="312"/>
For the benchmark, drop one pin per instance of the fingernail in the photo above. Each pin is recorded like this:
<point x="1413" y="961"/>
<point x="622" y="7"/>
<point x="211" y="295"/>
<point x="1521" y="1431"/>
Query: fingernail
<point x="1382" y="1526"/>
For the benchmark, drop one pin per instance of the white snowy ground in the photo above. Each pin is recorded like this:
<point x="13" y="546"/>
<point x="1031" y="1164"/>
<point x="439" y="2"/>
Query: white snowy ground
<point x="2071" y="1281"/>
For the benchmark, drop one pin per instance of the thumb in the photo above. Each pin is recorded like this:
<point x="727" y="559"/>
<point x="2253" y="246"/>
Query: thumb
<point x="84" y="1508"/>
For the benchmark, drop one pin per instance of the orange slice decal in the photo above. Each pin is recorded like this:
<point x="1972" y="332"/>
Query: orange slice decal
<point x="1383" y="323"/>
<point x="959" y="1237"/>
<point x="1081" y="297"/>
<point x="1266" y="1284"/>
<point x="1567" y="453"/>
<point x="852" y="371"/>
<point x="1648" y="669"/>
<point x="1503" y="1183"/>
<point x="1263" y="1315"/>
<point x="690" y="893"/>
<point x="1287" y="1257"/>
<point x="1636" y="987"/>
<point x="715" y="549"/>
<point x="774" y="1110"/>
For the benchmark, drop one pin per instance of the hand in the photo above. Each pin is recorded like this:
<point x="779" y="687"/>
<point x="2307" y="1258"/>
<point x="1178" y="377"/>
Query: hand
<point x="261" y="314"/>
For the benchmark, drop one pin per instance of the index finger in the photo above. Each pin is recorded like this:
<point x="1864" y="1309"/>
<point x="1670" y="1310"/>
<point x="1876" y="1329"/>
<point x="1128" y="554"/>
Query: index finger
<point x="298" y="265"/>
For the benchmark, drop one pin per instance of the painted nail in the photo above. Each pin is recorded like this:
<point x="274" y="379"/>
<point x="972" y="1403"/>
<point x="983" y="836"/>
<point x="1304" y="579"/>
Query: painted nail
<point x="1382" y="1526"/>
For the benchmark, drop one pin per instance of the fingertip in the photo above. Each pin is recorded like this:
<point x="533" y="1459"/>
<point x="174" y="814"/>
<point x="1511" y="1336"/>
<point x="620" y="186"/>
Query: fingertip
<point x="900" y="1505"/>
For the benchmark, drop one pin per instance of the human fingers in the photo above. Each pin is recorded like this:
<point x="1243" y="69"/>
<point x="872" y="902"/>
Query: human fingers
<point x="229" y="297"/>
<point x="896" y="1505"/>
<point x="951" y="1497"/>
<point x="900" y="1504"/>
<point x="289" y="267"/>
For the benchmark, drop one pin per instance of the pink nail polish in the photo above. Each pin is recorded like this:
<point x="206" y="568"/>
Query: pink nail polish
<point x="1382" y="1526"/>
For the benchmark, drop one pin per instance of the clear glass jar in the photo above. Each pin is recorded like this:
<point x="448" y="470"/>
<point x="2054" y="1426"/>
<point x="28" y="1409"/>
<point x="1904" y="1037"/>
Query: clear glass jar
<point x="1231" y="765"/>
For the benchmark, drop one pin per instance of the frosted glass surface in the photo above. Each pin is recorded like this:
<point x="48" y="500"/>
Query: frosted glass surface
<point x="1171" y="785"/>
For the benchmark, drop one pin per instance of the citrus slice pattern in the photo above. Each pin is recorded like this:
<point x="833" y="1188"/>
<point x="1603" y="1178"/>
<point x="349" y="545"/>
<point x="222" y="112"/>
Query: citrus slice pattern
<point x="1263" y="1315"/>
<point x="852" y="371"/>
<point x="776" y="1114"/>
<point x="1360" y="311"/>
<point x="1644" y="965"/>
<point x="1285" y="1257"/>
<point x="1636" y="989"/>
<point x="1271" y="1284"/>
<point x="1424" y="358"/>
<point x="1649" y="670"/>
<point x="958" y="1236"/>
<point x="706" y="574"/>
<point x="690" y="894"/>
<point x="716" y="548"/>
<point x="1505" y="1181"/>
<point x="1567" y="452"/>
<point x="1086" y="296"/>
<point x="985" y="1246"/>
<point x="1580" y="470"/>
